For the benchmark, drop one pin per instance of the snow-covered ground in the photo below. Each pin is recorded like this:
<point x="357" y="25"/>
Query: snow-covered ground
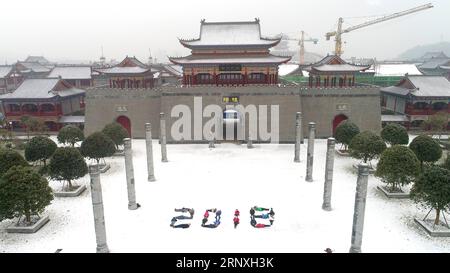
<point x="228" y="177"/>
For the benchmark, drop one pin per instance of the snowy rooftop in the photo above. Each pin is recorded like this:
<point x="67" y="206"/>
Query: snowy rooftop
<point x="396" y="70"/>
<point x="286" y="69"/>
<point x="230" y="59"/>
<point x="230" y="33"/>
<point x="422" y="86"/>
<point x="229" y="177"/>
<point x="124" y="70"/>
<point x="71" y="72"/>
<point x="40" y="89"/>
<point x="4" y="70"/>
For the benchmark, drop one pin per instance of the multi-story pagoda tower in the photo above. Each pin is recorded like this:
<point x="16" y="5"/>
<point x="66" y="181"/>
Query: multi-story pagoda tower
<point x="230" y="53"/>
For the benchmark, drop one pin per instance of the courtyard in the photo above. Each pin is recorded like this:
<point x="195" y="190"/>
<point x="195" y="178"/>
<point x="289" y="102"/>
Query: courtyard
<point x="228" y="177"/>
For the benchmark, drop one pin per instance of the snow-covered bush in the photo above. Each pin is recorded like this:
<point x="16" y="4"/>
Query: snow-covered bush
<point x="116" y="133"/>
<point x="70" y="134"/>
<point x="367" y="146"/>
<point x="395" y="134"/>
<point x="67" y="164"/>
<point x="426" y="149"/>
<point x="97" y="146"/>
<point x="345" y="132"/>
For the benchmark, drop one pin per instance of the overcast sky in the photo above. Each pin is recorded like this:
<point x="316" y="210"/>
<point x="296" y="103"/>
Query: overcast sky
<point x="76" y="29"/>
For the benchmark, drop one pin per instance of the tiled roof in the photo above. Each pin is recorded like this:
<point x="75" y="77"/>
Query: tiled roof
<point x="71" y="72"/>
<point x="229" y="59"/>
<point x="423" y="86"/>
<point x="230" y="34"/>
<point x="5" y="70"/>
<point x="40" y="89"/>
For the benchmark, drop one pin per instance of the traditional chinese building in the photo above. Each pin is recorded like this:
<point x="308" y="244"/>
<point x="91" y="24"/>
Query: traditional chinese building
<point x="333" y="72"/>
<point x="230" y="67"/>
<point x="128" y="74"/>
<point x="77" y="76"/>
<point x="48" y="100"/>
<point x="230" y="53"/>
<point x="415" y="98"/>
<point x="9" y="78"/>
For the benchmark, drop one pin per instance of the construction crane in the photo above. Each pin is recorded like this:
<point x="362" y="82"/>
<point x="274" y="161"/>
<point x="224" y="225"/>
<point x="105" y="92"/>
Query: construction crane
<point x="301" y="43"/>
<point x="338" y="33"/>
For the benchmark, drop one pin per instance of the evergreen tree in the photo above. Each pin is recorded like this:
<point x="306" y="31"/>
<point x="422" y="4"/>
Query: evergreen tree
<point x="395" y="134"/>
<point x="116" y="133"/>
<point x="70" y="134"/>
<point x="23" y="192"/>
<point x="67" y="164"/>
<point x="398" y="166"/>
<point x="97" y="146"/>
<point x="367" y="146"/>
<point x="345" y="132"/>
<point x="10" y="158"/>
<point x="432" y="189"/>
<point x="40" y="148"/>
<point x="426" y="149"/>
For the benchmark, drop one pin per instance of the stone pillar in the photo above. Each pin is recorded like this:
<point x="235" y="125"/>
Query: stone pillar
<point x="149" y="145"/>
<point x="360" y="207"/>
<point x="130" y="175"/>
<point x="97" y="205"/>
<point x="250" y="141"/>
<point x="310" y="157"/>
<point x="163" y="139"/>
<point x="211" y="144"/>
<point x="327" y="189"/>
<point x="298" y="132"/>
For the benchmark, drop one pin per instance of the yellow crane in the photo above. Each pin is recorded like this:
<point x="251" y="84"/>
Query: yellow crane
<point x="338" y="33"/>
<point x="301" y="43"/>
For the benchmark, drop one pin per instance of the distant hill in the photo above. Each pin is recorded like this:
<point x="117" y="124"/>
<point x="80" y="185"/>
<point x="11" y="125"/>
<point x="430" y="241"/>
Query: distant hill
<point x="419" y="51"/>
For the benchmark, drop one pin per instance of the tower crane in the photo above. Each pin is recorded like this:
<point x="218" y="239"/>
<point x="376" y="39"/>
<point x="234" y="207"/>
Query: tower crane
<point x="301" y="43"/>
<point x="338" y="33"/>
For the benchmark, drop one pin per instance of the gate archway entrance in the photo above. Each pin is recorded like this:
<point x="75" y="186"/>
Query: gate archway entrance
<point x="125" y="122"/>
<point x="337" y="120"/>
<point x="230" y="125"/>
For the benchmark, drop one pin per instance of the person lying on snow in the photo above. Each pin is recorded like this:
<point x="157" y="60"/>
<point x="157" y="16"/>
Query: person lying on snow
<point x="236" y="221"/>
<point x="259" y="225"/>
<point x="174" y="220"/>
<point x="218" y="214"/>
<point x="259" y="208"/>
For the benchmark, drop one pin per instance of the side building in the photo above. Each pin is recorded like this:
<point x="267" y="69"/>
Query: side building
<point x="50" y="101"/>
<point x="414" y="99"/>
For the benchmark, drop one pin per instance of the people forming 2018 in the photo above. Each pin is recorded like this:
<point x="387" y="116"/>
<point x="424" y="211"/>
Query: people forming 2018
<point x="260" y="213"/>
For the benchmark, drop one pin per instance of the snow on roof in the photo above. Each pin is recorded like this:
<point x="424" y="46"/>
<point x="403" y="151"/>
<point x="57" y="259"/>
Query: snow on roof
<point x="71" y="72"/>
<point x="40" y="89"/>
<point x="4" y="70"/>
<point x="430" y="86"/>
<point x="338" y="67"/>
<point x="423" y="86"/>
<point x="230" y="59"/>
<point x="71" y="119"/>
<point x="394" y="118"/>
<point x="434" y="63"/>
<point x="124" y="70"/>
<point x="35" y="67"/>
<point x="36" y="59"/>
<point x="230" y="33"/>
<point x="286" y="69"/>
<point x="396" y="69"/>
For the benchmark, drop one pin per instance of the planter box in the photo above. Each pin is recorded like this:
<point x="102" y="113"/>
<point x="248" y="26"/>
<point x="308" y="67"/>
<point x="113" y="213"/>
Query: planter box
<point x="396" y="195"/>
<point x="371" y="170"/>
<point x="119" y="153"/>
<point x="433" y="232"/>
<point x="346" y="154"/>
<point x="104" y="168"/>
<point x="74" y="193"/>
<point x="28" y="229"/>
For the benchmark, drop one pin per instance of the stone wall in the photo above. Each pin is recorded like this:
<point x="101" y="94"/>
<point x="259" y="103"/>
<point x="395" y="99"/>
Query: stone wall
<point x="360" y="104"/>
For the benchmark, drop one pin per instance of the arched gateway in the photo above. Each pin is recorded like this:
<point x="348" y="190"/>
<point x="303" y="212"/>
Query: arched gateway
<point x="126" y="123"/>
